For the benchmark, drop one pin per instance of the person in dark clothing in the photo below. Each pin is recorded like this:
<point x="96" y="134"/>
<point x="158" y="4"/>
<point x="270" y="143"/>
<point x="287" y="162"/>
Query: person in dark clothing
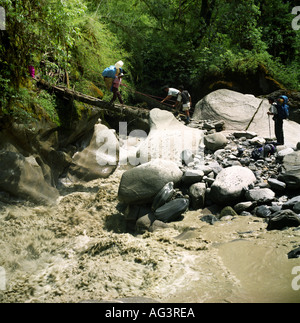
<point x="279" y="112"/>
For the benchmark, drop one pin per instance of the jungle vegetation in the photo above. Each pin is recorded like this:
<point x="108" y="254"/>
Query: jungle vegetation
<point x="190" y="42"/>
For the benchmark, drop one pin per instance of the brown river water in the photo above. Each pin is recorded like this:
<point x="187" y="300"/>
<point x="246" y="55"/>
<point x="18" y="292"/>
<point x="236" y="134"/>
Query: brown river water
<point x="79" y="250"/>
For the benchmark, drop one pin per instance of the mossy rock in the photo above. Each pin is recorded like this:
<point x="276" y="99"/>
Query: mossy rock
<point x="228" y="210"/>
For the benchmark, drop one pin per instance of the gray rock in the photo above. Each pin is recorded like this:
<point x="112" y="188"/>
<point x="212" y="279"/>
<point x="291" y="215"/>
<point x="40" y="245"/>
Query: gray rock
<point x="276" y="185"/>
<point x="23" y="177"/>
<point x="291" y="176"/>
<point x="144" y="223"/>
<point x="296" y="208"/>
<point x="262" y="195"/>
<point x="230" y="184"/>
<point x="215" y="167"/>
<point x="192" y="176"/>
<point x="187" y="156"/>
<point x="263" y="211"/>
<point x="291" y="203"/>
<point x="140" y="184"/>
<point x="246" y="134"/>
<point x="285" y="152"/>
<point x="197" y="195"/>
<point x="158" y="225"/>
<point x="215" y="141"/>
<point x="283" y="219"/>
<point x="211" y="219"/>
<point x="243" y="206"/>
<point x="295" y="253"/>
<point x="99" y="159"/>
<point x="168" y="138"/>
<point x="240" y="112"/>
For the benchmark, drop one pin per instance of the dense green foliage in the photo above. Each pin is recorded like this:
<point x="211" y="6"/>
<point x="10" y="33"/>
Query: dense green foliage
<point x="161" y="41"/>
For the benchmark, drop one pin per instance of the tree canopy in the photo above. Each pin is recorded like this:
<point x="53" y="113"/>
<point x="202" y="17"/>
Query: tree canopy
<point x="160" y="41"/>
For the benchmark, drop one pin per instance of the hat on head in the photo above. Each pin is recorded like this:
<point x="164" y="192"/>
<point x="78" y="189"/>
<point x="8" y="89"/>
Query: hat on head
<point x="119" y="64"/>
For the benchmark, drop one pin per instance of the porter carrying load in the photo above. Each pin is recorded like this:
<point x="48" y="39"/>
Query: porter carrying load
<point x="110" y="74"/>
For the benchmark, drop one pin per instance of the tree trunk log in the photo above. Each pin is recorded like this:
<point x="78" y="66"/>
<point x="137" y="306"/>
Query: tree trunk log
<point x="129" y="112"/>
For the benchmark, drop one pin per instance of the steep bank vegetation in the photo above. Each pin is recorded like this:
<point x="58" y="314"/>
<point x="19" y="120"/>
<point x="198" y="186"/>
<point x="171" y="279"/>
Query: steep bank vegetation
<point x="204" y="44"/>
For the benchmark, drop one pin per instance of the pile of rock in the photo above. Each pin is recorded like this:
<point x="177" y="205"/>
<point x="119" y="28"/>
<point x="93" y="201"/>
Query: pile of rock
<point x="224" y="173"/>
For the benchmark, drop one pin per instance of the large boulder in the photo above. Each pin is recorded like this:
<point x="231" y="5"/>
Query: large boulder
<point x="242" y="112"/>
<point x="23" y="177"/>
<point x="291" y="174"/>
<point x="231" y="184"/>
<point x="139" y="185"/>
<point x="168" y="138"/>
<point x="236" y="109"/>
<point x="99" y="159"/>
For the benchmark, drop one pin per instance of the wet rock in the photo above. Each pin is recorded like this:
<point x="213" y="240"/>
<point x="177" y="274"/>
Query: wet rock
<point x="140" y="184"/>
<point x="144" y="223"/>
<point x="133" y="213"/>
<point x="296" y="208"/>
<point x="163" y="196"/>
<point x="197" y="195"/>
<point x="158" y="225"/>
<point x="295" y="253"/>
<point x="276" y="185"/>
<point x="283" y="219"/>
<point x="263" y="211"/>
<point x="230" y="184"/>
<point x="172" y="211"/>
<point x="210" y="219"/>
<point x="23" y="177"/>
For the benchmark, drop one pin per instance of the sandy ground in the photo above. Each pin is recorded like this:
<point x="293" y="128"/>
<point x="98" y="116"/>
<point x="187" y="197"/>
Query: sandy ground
<point x="79" y="250"/>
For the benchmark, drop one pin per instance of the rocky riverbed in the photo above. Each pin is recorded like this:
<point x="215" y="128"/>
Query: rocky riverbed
<point x="90" y="238"/>
<point x="80" y="250"/>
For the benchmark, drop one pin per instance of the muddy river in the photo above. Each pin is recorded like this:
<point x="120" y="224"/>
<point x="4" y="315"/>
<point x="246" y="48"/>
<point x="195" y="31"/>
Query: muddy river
<point x="79" y="250"/>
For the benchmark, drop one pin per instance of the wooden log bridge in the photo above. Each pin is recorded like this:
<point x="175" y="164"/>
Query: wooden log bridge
<point x="140" y="115"/>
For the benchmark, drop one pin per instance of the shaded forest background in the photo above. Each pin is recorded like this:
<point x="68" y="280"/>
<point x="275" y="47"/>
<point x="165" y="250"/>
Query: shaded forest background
<point x="246" y="45"/>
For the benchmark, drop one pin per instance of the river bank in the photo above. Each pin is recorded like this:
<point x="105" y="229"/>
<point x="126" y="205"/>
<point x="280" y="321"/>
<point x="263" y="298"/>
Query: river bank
<point x="78" y="247"/>
<point x="78" y="250"/>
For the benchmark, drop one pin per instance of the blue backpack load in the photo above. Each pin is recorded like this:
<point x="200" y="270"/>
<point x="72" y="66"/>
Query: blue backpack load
<point x="110" y="72"/>
<point x="283" y="109"/>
